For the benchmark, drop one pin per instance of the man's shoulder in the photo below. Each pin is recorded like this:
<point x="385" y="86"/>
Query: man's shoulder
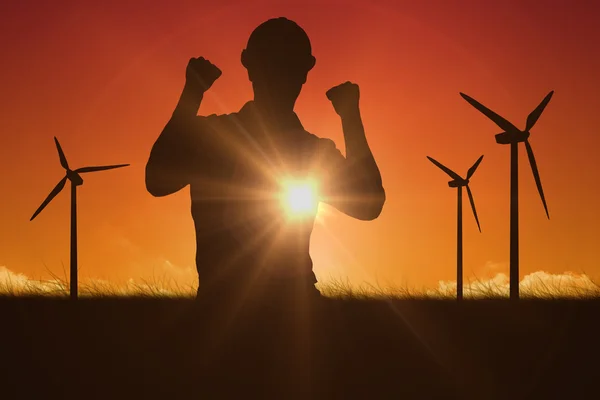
<point x="218" y="126"/>
<point x="320" y="144"/>
<point x="213" y="120"/>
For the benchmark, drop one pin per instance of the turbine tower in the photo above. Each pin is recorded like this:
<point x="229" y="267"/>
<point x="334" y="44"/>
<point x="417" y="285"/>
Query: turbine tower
<point x="458" y="182"/>
<point x="76" y="180"/>
<point x="513" y="136"/>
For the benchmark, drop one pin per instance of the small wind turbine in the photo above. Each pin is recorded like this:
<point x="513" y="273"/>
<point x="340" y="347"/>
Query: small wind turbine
<point x="458" y="182"/>
<point x="513" y="136"/>
<point x="76" y="180"/>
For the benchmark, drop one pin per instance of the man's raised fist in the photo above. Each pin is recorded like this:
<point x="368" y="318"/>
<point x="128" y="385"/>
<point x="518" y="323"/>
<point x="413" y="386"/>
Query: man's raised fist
<point x="201" y="73"/>
<point x="344" y="97"/>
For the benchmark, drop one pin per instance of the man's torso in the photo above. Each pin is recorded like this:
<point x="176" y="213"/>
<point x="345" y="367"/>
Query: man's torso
<point x="240" y="228"/>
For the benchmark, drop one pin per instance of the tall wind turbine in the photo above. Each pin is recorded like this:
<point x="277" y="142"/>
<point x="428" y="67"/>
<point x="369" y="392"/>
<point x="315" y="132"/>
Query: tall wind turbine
<point x="513" y="136"/>
<point x="458" y="182"/>
<point x="76" y="180"/>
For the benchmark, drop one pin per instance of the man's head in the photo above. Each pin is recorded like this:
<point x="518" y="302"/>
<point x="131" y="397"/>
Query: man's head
<point x="278" y="58"/>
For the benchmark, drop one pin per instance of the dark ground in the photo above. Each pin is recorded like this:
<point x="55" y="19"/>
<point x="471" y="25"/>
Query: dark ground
<point x="172" y="349"/>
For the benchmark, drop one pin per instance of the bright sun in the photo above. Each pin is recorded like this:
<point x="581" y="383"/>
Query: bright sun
<point x="300" y="197"/>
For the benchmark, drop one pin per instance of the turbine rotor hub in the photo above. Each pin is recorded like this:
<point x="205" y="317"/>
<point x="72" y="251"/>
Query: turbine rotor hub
<point x="456" y="183"/>
<point x="75" y="178"/>
<point x="512" y="137"/>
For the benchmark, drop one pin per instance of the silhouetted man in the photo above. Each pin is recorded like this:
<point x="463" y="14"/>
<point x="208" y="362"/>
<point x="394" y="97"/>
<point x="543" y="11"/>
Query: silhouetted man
<point x="238" y="165"/>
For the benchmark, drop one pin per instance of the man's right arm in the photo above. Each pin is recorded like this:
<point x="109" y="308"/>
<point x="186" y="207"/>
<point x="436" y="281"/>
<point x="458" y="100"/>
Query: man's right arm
<point x="169" y="165"/>
<point x="169" y="168"/>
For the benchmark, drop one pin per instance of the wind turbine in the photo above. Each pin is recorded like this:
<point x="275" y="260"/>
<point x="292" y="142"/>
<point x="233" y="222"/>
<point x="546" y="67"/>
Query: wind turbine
<point x="76" y="180"/>
<point x="458" y="182"/>
<point x="513" y="136"/>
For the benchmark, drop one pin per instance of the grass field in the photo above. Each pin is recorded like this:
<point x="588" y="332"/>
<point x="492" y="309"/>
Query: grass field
<point x="178" y="348"/>
<point x="154" y="340"/>
<point x="162" y="288"/>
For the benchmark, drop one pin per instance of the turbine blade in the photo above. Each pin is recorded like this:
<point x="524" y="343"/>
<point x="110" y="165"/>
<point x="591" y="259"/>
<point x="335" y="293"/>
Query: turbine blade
<point x="498" y="120"/>
<point x="473" y="206"/>
<point x="535" y="114"/>
<point x="61" y="155"/>
<point x="536" y="175"/>
<point x="101" y="168"/>
<point x="447" y="170"/>
<point x="52" y="194"/>
<point x="474" y="167"/>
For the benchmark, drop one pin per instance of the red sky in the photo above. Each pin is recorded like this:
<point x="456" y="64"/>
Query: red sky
<point x="104" y="76"/>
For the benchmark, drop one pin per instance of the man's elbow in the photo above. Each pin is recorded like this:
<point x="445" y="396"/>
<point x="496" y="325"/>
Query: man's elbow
<point x="155" y="190"/>
<point x="159" y="190"/>
<point x="158" y="187"/>
<point x="374" y="206"/>
<point x="153" y="187"/>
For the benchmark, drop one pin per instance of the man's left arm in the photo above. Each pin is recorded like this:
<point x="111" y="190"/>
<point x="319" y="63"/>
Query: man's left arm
<point x="353" y="183"/>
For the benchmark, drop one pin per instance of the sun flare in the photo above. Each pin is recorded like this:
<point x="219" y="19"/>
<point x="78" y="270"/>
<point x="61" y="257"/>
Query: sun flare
<point x="299" y="197"/>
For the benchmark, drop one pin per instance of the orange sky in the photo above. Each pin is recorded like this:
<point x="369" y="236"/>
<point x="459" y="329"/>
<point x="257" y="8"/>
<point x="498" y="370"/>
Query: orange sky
<point x="104" y="77"/>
